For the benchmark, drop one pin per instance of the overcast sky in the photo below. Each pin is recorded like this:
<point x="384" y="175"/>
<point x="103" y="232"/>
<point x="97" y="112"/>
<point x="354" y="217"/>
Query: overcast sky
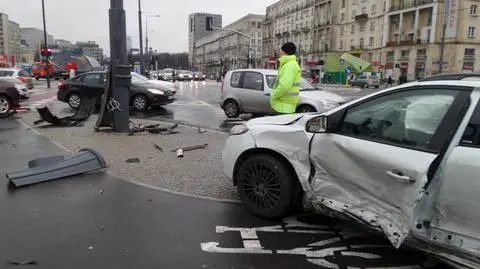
<point x="88" y="19"/>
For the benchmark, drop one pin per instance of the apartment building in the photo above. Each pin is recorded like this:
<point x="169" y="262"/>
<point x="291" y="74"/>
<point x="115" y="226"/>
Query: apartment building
<point x="9" y="41"/>
<point x="231" y="47"/>
<point x="307" y="23"/>
<point x="197" y="28"/>
<point x="33" y="38"/>
<point x="91" y="48"/>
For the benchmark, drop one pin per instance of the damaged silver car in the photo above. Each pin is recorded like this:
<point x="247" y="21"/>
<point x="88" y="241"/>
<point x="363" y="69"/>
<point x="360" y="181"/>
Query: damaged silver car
<point x="403" y="161"/>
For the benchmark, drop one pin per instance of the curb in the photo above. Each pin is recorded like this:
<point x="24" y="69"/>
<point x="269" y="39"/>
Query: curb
<point x="228" y="201"/>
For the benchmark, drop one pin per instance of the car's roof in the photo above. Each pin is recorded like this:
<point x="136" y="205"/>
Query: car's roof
<point x="264" y="71"/>
<point x="463" y="83"/>
<point x="452" y="76"/>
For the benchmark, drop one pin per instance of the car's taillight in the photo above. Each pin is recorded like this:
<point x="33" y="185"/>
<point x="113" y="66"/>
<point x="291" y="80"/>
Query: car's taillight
<point x="22" y="79"/>
<point x="61" y="86"/>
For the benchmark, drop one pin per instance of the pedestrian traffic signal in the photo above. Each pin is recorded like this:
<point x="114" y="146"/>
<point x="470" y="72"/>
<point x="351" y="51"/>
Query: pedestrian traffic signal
<point x="46" y="51"/>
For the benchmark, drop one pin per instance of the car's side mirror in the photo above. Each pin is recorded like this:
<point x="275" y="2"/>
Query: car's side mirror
<point x="317" y="124"/>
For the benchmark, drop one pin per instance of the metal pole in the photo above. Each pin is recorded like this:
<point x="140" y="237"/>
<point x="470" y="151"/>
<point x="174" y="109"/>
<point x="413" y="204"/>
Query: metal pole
<point x="442" y="44"/>
<point x="120" y="78"/>
<point x="146" y="36"/>
<point x="140" y="32"/>
<point x="46" y="44"/>
<point x="249" y="53"/>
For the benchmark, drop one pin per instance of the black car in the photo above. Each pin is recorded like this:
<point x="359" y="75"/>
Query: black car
<point x="198" y="76"/>
<point x="142" y="93"/>
<point x="9" y="97"/>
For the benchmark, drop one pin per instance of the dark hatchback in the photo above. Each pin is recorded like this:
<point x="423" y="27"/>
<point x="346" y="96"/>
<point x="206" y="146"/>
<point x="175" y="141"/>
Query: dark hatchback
<point x="142" y="93"/>
<point x="9" y="97"/>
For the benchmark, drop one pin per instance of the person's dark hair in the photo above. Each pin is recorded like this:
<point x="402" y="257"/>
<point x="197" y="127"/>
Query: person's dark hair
<point x="289" y="48"/>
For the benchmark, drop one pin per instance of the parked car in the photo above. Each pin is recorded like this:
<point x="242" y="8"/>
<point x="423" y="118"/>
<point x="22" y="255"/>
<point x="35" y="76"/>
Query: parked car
<point x="168" y="85"/>
<point x="15" y="75"/>
<point x="402" y="161"/>
<point x="9" y="97"/>
<point x="23" y="91"/>
<point x="92" y="84"/>
<point x="184" y="75"/>
<point x="198" y="76"/>
<point x="365" y="81"/>
<point x="249" y="91"/>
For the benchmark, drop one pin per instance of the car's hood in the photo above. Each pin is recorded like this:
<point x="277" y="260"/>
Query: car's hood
<point x="153" y="86"/>
<point x="322" y="95"/>
<point x="276" y="120"/>
<point x="162" y="83"/>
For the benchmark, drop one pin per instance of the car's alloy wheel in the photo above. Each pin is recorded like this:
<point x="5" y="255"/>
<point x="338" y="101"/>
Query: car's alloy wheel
<point x="266" y="186"/>
<point x="140" y="103"/>
<point x="74" y="100"/>
<point x="231" y="108"/>
<point x="4" y="105"/>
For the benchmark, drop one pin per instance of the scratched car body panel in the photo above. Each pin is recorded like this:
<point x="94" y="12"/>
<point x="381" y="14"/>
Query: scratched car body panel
<point x="422" y="191"/>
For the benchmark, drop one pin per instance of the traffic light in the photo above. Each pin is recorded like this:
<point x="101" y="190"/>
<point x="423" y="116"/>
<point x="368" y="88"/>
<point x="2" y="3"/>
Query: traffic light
<point x="46" y="51"/>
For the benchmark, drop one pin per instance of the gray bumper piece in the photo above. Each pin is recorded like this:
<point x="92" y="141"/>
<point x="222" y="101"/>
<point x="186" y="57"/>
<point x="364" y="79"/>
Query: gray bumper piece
<point x="51" y="168"/>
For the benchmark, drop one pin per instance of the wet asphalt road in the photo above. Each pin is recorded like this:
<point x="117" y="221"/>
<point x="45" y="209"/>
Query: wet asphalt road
<point x="197" y="104"/>
<point x="95" y="221"/>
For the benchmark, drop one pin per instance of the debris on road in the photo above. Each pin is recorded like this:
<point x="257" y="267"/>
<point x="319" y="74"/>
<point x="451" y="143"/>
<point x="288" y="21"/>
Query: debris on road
<point x="191" y="148"/>
<point x="86" y="109"/>
<point x="153" y="129"/>
<point x="158" y="147"/>
<point x="201" y="131"/>
<point x="23" y="262"/>
<point x="55" y="167"/>
<point x="179" y="153"/>
<point x="133" y="160"/>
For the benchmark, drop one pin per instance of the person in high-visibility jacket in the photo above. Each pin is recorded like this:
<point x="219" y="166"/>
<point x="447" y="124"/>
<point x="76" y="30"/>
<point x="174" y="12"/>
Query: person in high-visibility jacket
<point x="285" y="94"/>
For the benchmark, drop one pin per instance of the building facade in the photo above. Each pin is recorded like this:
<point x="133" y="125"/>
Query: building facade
<point x="235" y="46"/>
<point x="9" y="41"/>
<point x="91" y="48"/>
<point x="398" y="37"/>
<point x="33" y="38"/>
<point x="197" y="28"/>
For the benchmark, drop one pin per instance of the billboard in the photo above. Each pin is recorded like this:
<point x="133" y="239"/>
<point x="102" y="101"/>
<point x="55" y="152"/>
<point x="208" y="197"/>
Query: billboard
<point x="451" y="17"/>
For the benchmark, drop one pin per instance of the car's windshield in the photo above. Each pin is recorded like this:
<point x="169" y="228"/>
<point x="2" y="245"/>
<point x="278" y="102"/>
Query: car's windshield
<point x="304" y="84"/>
<point x="138" y="80"/>
<point x="6" y="73"/>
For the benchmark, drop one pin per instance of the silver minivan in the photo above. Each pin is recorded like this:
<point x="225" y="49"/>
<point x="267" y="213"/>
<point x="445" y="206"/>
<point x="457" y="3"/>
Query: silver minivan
<point x="249" y="91"/>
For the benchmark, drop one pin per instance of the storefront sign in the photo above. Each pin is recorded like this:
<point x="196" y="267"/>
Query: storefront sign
<point x="468" y="66"/>
<point x="404" y="65"/>
<point x="452" y="19"/>
<point x="420" y="65"/>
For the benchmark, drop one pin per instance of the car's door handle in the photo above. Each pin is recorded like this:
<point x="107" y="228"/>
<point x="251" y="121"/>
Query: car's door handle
<point x="267" y="94"/>
<point x="400" y="177"/>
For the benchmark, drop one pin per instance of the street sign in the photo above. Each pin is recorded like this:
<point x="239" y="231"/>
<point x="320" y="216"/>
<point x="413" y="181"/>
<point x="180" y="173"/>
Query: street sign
<point x="342" y="61"/>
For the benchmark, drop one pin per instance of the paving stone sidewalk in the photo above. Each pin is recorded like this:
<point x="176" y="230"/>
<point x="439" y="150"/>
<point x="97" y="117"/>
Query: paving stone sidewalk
<point x="198" y="173"/>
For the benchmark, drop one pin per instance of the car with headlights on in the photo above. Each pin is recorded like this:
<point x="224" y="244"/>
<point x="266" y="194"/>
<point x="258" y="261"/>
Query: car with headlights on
<point x="142" y="94"/>
<point x="198" y="76"/>
<point x="403" y="161"/>
<point x="166" y="84"/>
<point x="249" y="91"/>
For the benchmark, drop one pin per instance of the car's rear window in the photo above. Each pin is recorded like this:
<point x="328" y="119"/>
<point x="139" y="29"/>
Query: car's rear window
<point x="5" y="73"/>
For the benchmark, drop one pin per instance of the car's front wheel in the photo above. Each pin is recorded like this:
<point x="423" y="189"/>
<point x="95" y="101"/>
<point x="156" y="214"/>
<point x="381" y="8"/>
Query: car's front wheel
<point x="306" y="109"/>
<point x="232" y="109"/>
<point x="266" y="186"/>
<point x="74" y="100"/>
<point x="4" y="105"/>
<point x="140" y="102"/>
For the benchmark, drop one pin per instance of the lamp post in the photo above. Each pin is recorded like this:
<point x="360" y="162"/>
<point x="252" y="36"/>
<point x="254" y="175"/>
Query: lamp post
<point x="46" y="44"/>
<point x="250" y="38"/>
<point x="146" y="29"/>
<point x="140" y="32"/>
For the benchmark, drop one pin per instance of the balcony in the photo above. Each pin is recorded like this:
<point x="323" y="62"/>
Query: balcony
<point x="421" y="58"/>
<point x="403" y="58"/>
<point x="411" y="4"/>
<point x="361" y="17"/>
<point x="390" y="58"/>
<point x="469" y="57"/>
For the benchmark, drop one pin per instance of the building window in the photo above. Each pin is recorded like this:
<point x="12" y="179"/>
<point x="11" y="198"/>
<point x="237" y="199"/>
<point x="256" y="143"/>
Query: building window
<point x="341" y="45"/>
<point x="342" y="17"/>
<point x="341" y="30"/>
<point x="370" y="56"/>
<point x="364" y="10"/>
<point x="354" y="13"/>
<point x="471" y="31"/>
<point x="343" y="3"/>
<point x="371" y="41"/>
<point x="374" y="9"/>
<point x="362" y="43"/>
<point x="362" y="27"/>
<point x="372" y="26"/>
<point x="473" y="10"/>
<point x="353" y="29"/>
<point x="384" y="5"/>
<point x="191" y="25"/>
<point x="469" y="53"/>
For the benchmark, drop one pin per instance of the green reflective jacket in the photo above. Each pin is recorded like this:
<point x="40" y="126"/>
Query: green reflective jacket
<point x="285" y="94"/>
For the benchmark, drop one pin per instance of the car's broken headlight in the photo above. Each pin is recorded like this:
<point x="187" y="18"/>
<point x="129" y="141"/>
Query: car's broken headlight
<point x="238" y="129"/>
